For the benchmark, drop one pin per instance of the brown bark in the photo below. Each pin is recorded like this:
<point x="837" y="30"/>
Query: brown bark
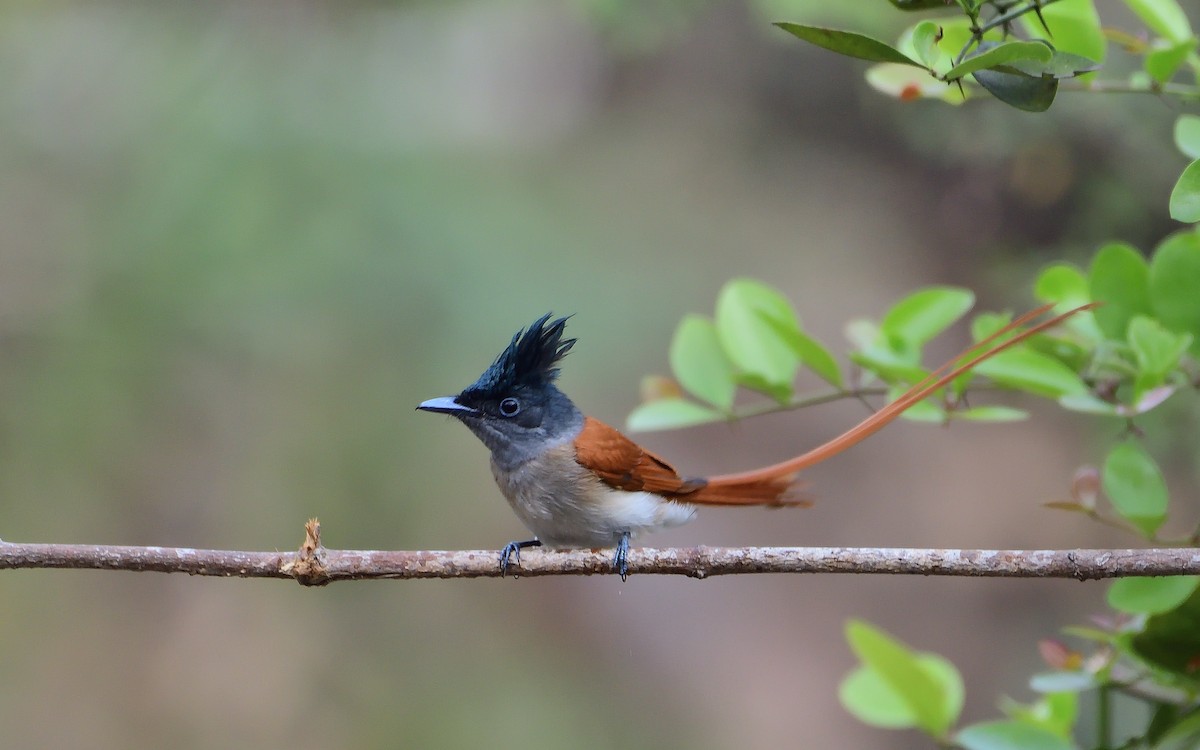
<point x="315" y="565"/>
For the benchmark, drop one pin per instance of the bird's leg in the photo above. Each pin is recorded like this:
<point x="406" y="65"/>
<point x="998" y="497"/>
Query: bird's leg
<point x="620" y="560"/>
<point x="512" y="551"/>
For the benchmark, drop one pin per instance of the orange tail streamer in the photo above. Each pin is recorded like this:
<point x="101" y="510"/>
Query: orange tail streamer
<point x="753" y="487"/>
<point x="777" y="492"/>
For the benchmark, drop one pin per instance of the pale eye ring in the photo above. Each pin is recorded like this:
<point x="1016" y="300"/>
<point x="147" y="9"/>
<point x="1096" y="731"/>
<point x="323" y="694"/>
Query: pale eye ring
<point x="510" y="407"/>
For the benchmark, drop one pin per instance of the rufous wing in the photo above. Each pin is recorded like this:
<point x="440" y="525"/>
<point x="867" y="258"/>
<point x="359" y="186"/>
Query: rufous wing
<point x="625" y="465"/>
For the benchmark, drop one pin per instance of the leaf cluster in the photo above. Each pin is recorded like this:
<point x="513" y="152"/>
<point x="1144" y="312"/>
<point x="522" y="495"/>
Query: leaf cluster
<point x="756" y="343"/>
<point x="1019" y="51"/>
<point x="1117" y="362"/>
<point x="1122" y="360"/>
<point x="1150" y="654"/>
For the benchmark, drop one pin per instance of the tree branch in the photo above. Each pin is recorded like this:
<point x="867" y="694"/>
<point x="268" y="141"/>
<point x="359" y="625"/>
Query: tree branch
<point x="313" y="565"/>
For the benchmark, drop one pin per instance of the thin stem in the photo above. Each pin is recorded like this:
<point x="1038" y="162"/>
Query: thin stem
<point x="973" y="15"/>
<point x="1103" y="717"/>
<point x="1193" y="539"/>
<point x="962" y="53"/>
<point x="1133" y="44"/>
<point x="1190" y="540"/>
<point x="1113" y="523"/>
<point x="1011" y="12"/>
<point x="1141" y="686"/>
<point x="1012" y="15"/>
<point x="1180" y="90"/>
<point x="1008" y="15"/>
<point x="804" y="402"/>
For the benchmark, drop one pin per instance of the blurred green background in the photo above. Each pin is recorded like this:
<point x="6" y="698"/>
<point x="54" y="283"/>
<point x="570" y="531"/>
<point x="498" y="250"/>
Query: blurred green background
<point x="242" y="240"/>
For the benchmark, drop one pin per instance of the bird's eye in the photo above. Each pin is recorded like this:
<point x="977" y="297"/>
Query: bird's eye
<point x="509" y="407"/>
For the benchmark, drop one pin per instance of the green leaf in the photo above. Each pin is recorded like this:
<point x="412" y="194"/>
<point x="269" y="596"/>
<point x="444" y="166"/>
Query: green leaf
<point x="928" y="693"/>
<point x="1174" y="279"/>
<point x="1185" y="197"/>
<point x="1034" y="372"/>
<point x="700" y="364"/>
<point x="956" y="32"/>
<point x="1156" y="349"/>
<point x="888" y="365"/>
<point x="1060" y="65"/>
<point x="1165" y="715"/>
<point x="907" y="83"/>
<point x="996" y="54"/>
<point x="1090" y="404"/>
<point x="1171" y="640"/>
<point x="1150" y="595"/>
<point x="866" y="696"/>
<point x="1063" y="284"/>
<point x="1187" y="135"/>
<point x="1067" y="287"/>
<point x="1021" y="92"/>
<point x="1010" y="735"/>
<point x="670" y="414"/>
<point x="781" y="392"/>
<point x="752" y="322"/>
<point x="1063" y="682"/>
<point x="1120" y="278"/>
<point x="954" y="692"/>
<point x="1135" y="486"/>
<point x="869" y="698"/>
<point x="848" y="43"/>
<point x="986" y="323"/>
<point x="1183" y="735"/>
<point x="921" y="316"/>
<point x="863" y="333"/>
<point x="1019" y="74"/>
<point x="918" y="4"/>
<point x="1086" y="403"/>
<point x="1148" y="400"/>
<point x="990" y="414"/>
<point x="817" y="358"/>
<point x="1075" y="26"/>
<point x="1164" y="60"/>
<point x="982" y="326"/>
<point x="1163" y="17"/>
<point x="1064" y="65"/>
<point x="927" y="411"/>
<point x="1062" y="709"/>
<point x="1054" y="712"/>
<point x="1096" y="635"/>
<point x="925" y="38"/>
<point x="812" y="353"/>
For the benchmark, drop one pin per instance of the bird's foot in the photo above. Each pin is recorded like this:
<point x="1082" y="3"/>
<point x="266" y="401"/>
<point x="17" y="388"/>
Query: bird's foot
<point x="512" y="551"/>
<point x="621" y="559"/>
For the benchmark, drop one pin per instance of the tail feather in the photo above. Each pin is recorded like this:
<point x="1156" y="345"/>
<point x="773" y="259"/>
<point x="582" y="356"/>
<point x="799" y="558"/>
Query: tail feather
<point x="770" y="485"/>
<point x="778" y="491"/>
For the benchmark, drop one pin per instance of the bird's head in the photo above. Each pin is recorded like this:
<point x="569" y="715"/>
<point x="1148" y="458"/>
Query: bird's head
<point x="514" y="406"/>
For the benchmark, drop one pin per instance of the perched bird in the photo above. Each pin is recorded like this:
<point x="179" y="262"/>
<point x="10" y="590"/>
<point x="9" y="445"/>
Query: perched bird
<point x="574" y="481"/>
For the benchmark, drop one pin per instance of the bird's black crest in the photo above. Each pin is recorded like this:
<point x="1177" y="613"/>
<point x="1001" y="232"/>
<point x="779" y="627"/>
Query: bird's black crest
<point x="528" y="360"/>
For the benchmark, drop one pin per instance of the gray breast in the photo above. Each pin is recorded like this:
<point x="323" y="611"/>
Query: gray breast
<point x="565" y="505"/>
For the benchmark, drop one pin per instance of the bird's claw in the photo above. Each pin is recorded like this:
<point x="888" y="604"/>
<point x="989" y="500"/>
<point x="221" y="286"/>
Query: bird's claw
<point x="621" y="558"/>
<point x="512" y="551"/>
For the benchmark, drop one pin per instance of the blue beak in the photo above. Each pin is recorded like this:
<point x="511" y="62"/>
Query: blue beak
<point x="447" y="405"/>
